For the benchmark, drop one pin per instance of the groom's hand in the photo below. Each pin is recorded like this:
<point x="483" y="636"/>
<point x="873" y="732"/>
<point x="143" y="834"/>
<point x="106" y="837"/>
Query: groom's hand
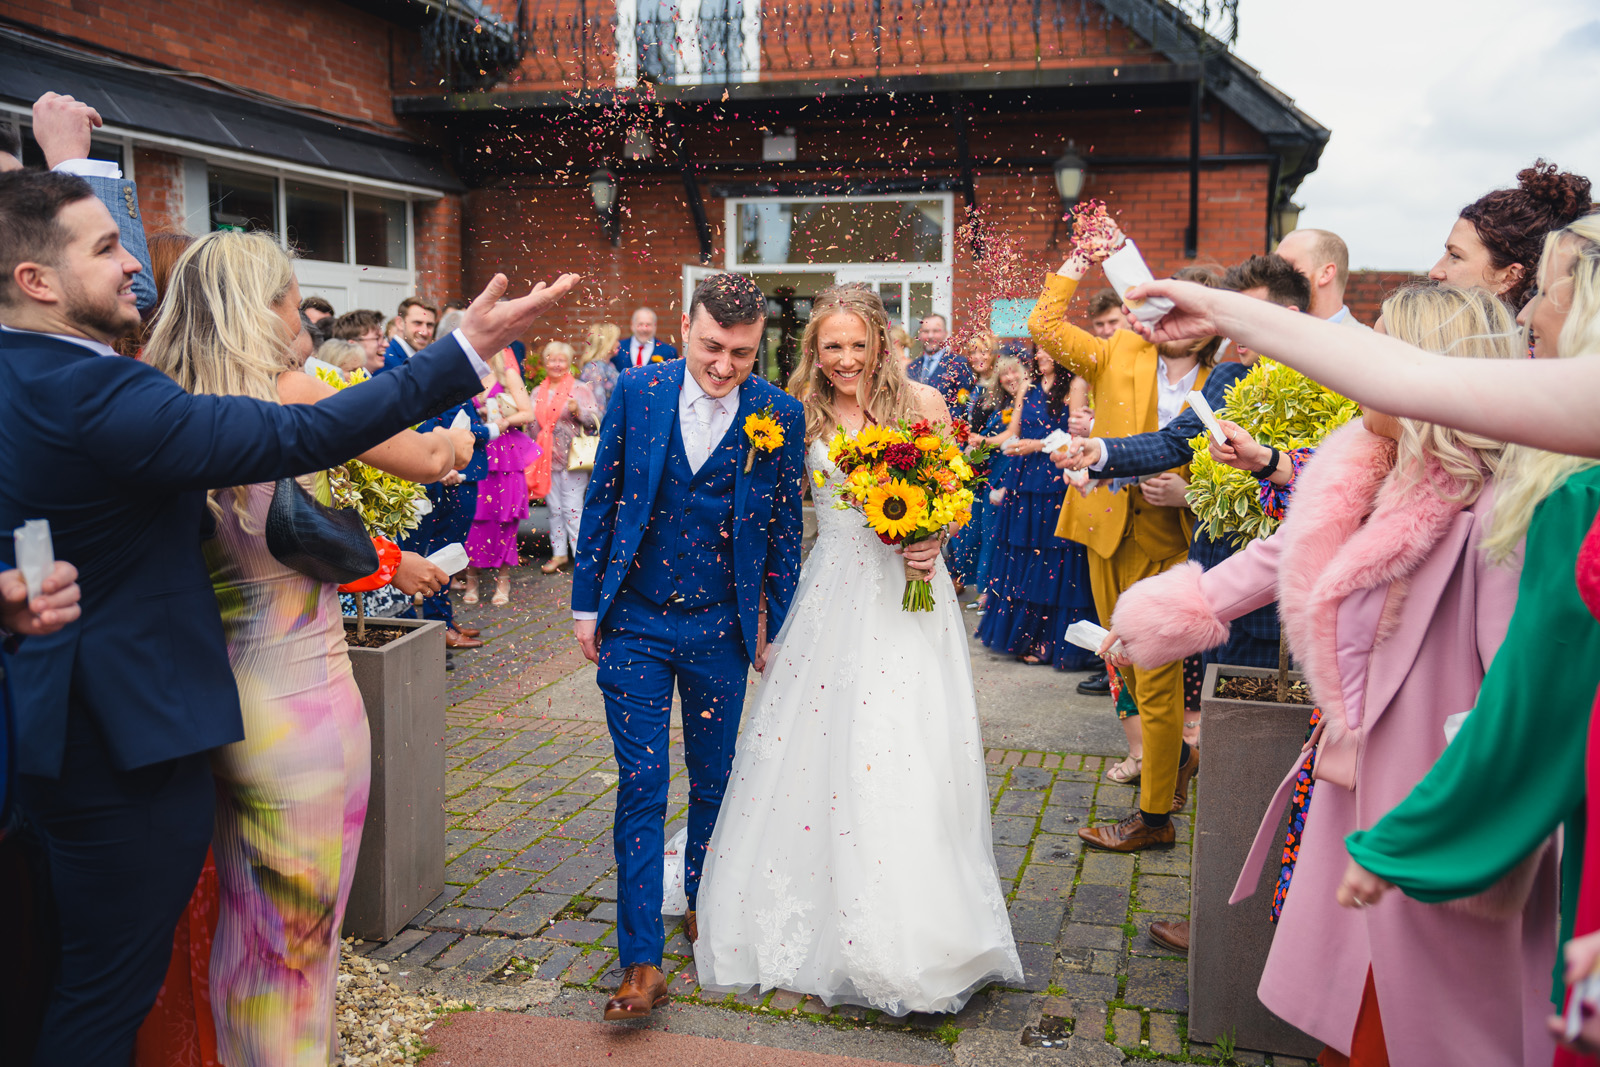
<point x="491" y="324"/>
<point x="583" y="630"/>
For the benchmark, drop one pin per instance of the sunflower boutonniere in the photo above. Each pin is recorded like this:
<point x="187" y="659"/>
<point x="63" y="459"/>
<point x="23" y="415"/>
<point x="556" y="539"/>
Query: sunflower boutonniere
<point x="764" y="432"/>
<point x="962" y="396"/>
<point x="657" y="359"/>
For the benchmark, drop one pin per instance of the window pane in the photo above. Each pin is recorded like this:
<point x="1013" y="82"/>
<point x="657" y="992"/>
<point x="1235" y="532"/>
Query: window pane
<point x="242" y="201"/>
<point x="316" y="221"/>
<point x="872" y="231"/>
<point x="380" y="232"/>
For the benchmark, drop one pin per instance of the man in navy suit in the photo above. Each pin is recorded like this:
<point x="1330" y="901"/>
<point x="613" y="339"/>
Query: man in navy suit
<point x="643" y="348"/>
<point x="947" y="371"/>
<point x="417" y="320"/>
<point x="117" y="711"/>
<point x="687" y="528"/>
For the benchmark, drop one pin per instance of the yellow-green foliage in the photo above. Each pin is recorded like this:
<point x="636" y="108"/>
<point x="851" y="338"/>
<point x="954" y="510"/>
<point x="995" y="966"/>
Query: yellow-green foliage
<point x="387" y="504"/>
<point x="1280" y="407"/>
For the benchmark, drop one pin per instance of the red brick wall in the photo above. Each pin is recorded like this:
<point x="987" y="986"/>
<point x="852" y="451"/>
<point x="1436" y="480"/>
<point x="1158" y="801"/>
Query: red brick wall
<point x="1365" y="292"/>
<point x="438" y="246"/>
<point x="160" y="178"/>
<point x="326" y="55"/>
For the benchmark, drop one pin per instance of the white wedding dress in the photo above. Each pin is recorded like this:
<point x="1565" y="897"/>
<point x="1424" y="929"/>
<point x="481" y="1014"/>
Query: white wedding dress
<point x="852" y="857"/>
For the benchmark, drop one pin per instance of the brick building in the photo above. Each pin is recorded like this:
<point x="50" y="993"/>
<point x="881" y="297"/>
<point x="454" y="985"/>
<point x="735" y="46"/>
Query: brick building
<point x="418" y="144"/>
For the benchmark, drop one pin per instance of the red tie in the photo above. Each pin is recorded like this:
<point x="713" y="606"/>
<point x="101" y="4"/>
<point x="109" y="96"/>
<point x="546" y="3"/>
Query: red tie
<point x="638" y="354"/>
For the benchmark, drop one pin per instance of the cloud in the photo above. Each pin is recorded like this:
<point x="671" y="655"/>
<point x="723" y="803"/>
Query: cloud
<point x="1430" y="107"/>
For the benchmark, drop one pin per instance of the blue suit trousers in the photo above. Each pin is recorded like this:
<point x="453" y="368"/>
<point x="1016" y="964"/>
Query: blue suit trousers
<point x="644" y="649"/>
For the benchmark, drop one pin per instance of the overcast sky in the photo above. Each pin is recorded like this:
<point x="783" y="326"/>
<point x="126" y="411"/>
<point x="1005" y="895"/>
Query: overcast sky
<point x="1431" y="105"/>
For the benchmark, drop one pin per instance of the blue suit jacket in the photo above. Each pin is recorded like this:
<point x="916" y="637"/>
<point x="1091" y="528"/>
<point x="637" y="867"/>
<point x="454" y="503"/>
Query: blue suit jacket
<point x="1166" y="448"/>
<point x="623" y="360"/>
<point x="634" y="440"/>
<point x="950" y="377"/>
<point x="117" y="457"/>
<point x="121" y="198"/>
<point x="393" y="356"/>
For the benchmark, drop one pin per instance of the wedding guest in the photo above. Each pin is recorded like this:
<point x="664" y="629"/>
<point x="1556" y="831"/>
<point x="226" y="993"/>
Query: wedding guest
<point x="316" y="309"/>
<point x="939" y="367"/>
<point x="116" y="778"/>
<point x="563" y="407"/>
<point x="365" y="328"/>
<point x="1041" y="584"/>
<point x="344" y="357"/>
<point x="962" y="554"/>
<point x="1495" y="244"/>
<point x="1012" y="382"/>
<point x="417" y="319"/>
<point x="1386" y="538"/>
<point x="642" y="347"/>
<point x="1132" y="533"/>
<point x="595" y="368"/>
<point x="1324" y="258"/>
<point x="900" y="344"/>
<point x="293" y="792"/>
<point x="1105" y="313"/>
<point x="1515" y="772"/>
<point x="503" y="490"/>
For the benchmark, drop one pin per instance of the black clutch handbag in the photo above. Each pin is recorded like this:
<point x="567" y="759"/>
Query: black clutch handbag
<point x="328" y="544"/>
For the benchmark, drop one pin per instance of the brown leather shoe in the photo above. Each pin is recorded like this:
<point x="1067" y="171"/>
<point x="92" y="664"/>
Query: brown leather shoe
<point x="643" y="988"/>
<point x="1171" y="935"/>
<point x="1129" y="835"/>
<point x="468" y="631"/>
<point x="691" y="928"/>
<point x="455" y="639"/>
<point x="1180" y="795"/>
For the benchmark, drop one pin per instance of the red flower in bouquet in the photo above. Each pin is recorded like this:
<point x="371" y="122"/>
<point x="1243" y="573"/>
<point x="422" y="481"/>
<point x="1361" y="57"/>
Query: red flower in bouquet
<point x="902" y="456"/>
<point x="961" y="430"/>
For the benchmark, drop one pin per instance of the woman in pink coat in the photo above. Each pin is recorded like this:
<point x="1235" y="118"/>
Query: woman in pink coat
<point x="1393" y="614"/>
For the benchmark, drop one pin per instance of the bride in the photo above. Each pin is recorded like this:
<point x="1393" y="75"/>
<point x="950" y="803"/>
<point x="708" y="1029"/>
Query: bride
<point x="852" y="856"/>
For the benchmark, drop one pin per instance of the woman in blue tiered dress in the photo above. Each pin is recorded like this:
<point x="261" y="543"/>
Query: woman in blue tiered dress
<point x="1038" y="582"/>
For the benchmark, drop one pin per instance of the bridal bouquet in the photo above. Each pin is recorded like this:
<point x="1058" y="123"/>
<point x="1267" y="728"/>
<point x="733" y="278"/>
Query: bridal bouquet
<point x="909" y="482"/>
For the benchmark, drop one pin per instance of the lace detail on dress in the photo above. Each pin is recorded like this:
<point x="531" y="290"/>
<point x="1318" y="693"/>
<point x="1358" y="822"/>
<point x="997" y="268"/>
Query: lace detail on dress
<point x="784" y="946"/>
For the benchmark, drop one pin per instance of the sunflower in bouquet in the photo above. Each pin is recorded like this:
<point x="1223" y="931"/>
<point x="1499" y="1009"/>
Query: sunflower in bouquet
<point x="909" y="482"/>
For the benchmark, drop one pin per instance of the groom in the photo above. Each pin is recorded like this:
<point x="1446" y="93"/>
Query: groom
<point x="691" y="531"/>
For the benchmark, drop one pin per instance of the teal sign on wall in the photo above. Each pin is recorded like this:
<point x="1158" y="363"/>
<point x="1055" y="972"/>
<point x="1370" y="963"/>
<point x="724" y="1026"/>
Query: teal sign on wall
<point x="1009" y="318"/>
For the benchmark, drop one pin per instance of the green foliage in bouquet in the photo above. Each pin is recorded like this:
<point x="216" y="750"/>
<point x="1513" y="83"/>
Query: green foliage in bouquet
<point x="387" y="504"/>
<point x="1280" y="407"/>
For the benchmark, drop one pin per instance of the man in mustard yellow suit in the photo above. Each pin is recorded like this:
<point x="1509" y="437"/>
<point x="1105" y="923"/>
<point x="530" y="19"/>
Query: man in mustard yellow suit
<point x="1138" y="387"/>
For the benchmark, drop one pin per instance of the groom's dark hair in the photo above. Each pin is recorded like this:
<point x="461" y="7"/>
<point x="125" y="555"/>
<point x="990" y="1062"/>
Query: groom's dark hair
<point x="730" y="299"/>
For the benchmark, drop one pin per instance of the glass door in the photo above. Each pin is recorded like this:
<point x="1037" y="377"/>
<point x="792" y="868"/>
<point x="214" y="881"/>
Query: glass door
<point x="909" y="294"/>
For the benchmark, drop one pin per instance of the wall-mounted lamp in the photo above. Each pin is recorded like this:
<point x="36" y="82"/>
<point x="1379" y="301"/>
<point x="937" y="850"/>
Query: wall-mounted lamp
<point x="1287" y="217"/>
<point x="603" y="189"/>
<point x="1070" y="170"/>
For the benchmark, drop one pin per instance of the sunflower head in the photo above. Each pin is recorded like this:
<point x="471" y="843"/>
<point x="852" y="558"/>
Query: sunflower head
<point x="763" y="431"/>
<point x="896" y="509"/>
<point x="874" y="439"/>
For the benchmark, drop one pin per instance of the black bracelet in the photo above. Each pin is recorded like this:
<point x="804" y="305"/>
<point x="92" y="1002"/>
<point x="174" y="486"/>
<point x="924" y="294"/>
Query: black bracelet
<point x="1271" y="465"/>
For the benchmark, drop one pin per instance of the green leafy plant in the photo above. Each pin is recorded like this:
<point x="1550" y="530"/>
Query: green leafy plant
<point x="1279" y="407"/>
<point x="1224" y="1047"/>
<point x="949" y="1033"/>
<point x="389" y="506"/>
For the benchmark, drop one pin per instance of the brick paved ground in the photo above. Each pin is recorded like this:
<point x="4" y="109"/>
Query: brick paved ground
<point x="531" y="893"/>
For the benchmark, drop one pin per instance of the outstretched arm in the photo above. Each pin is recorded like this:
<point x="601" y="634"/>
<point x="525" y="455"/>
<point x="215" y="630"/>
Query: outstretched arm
<point x="1528" y="402"/>
<point x="1168" y="447"/>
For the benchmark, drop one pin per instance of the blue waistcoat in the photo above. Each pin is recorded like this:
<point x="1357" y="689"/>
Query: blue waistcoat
<point x="687" y="547"/>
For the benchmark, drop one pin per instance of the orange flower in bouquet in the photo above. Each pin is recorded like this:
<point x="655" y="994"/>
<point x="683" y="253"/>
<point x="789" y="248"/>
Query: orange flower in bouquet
<point x="909" y="482"/>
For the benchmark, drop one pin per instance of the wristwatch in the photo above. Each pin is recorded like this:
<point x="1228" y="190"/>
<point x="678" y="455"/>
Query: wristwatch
<point x="1270" y="467"/>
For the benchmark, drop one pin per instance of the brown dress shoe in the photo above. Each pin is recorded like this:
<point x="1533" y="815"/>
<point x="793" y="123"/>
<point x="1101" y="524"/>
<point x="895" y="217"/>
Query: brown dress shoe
<point x="455" y="639"/>
<point x="1171" y="935"/>
<point x="1180" y="795"/>
<point x="468" y="631"/>
<point x="643" y="988"/>
<point x="1129" y="835"/>
<point x="691" y="928"/>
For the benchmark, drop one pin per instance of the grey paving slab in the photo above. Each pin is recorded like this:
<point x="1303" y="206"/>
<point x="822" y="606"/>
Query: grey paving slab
<point x="430" y="947"/>
<point x="1009" y="860"/>
<point x="1162" y="893"/>
<point x="546" y="855"/>
<point x="1059" y="849"/>
<point x="576" y="932"/>
<point x="1030" y="778"/>
<point x="1160" y="984"/>
<point x="497" y="889"/>
<point x="474" y="863"/>
<point x="526" y="916"/>
<point x="1103" y="904"/>
<point x="1037" y="920"/>
<point x="518" y="834"/>
<point x="454" y="918"/>
<point x="1107" y="868"/>
<point x="1088" y="935"/>
<point x="460" y="952"/>
<point x="1063" y="820"/>
<point x="1020" y="802"/>
<point x="396" y="946"/>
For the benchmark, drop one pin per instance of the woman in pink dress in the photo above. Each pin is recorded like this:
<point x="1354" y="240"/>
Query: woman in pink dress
<point x="563" y="407"/>
<point x="503" y="492"/>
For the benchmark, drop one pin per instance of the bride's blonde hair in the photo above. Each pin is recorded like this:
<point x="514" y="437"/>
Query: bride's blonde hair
<point x="884" y="392"/>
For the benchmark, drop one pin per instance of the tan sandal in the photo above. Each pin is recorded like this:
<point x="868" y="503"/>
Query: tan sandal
<point x="502" y="592"/>
<point x="1127" y="772"/>
<point x="557" y="563"/>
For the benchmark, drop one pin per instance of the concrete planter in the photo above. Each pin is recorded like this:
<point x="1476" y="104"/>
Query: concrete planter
<point x="1249" y="746"/>
<point x="401" y="866"/>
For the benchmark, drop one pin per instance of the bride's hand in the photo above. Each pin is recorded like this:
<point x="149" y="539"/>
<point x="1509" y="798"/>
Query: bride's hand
<point x="766" y="656"/>
<point x="922" y="556"/>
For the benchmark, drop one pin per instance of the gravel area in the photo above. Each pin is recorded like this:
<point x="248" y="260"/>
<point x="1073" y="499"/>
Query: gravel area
<point x="380" y="1023"/>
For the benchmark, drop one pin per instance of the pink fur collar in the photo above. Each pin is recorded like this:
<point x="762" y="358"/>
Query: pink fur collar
<point x="1351" y="528"/>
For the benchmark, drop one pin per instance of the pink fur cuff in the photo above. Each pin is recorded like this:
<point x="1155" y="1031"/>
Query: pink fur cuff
<point x="1167" y="617"/>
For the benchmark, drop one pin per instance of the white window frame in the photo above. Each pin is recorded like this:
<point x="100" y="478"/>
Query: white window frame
<point x="731" y="228"/>
<point x="691" y="64"/>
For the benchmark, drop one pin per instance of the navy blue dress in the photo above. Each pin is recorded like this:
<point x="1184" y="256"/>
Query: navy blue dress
<point x="1039" y="583"/>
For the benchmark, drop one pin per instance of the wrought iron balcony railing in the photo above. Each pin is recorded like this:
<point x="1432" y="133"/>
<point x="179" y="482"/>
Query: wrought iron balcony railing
<point x="590" y="43"/>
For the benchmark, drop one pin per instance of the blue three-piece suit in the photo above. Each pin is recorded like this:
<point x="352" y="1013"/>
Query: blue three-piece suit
<point x="675" y="563"/>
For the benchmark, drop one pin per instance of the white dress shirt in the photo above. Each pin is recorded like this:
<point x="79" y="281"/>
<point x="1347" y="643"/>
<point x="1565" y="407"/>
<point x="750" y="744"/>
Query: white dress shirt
<point x="703" y="420"/>
<point x="642" y="351"/>
<point x="1170" y="398"/>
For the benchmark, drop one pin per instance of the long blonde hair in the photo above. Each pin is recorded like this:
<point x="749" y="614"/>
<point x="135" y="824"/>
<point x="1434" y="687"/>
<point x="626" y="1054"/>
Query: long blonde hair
<point x="984" y="341"/>
<point x="217" y="333"/>
<point x="1453" y="321"/>
<point x="603" y="337"/>
<point x="1528" y="475"/>
<point x="884" y="392"/>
